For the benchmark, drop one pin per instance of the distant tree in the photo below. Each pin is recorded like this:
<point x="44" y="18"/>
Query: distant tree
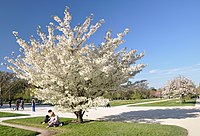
<point x="136" y="90"/>
<point x="179" y="87"/>
<point x="198" y="89"/>
<point x="11" y="86"/>
<point x="18" y="88"/>
<point x="142" y="84"/>
<point x="158" y="93"/>
<point x="69" y="73"/>
<point x="152" y="92"/>
<point x="5" y="79"/>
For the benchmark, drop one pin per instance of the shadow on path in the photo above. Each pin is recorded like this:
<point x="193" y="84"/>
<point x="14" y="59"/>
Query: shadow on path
<point x="152" y="116"/>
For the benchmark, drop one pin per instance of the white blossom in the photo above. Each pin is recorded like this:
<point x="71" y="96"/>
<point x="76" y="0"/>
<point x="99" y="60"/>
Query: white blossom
<point x="67" y="72"/>
<point x="178" y="87"/>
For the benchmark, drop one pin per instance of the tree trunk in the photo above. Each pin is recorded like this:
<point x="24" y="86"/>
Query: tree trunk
<point x="180" y="99"/>
<point x="79" y="115"/>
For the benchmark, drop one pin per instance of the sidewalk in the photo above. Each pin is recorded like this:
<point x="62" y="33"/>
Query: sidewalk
<point x="191" y="124"/>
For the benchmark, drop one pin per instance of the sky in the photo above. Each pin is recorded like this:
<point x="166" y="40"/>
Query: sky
<point x="168" y="31"/>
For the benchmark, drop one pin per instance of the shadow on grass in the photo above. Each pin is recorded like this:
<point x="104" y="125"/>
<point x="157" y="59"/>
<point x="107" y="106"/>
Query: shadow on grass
<point x="152" y="116"/>
<point x="74" y="121"/>
<point x="190" y="102"/>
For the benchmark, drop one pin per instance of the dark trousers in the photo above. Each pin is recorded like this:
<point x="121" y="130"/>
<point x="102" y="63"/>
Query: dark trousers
<point x="46" y="119"/>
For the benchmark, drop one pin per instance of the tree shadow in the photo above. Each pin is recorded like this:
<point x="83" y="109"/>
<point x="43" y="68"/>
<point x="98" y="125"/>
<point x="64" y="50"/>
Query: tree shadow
<point x="153" y="116"/>
<point x="74" y="121"/>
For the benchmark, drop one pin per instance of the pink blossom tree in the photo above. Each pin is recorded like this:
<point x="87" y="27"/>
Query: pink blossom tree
<point x="179" y="87"/>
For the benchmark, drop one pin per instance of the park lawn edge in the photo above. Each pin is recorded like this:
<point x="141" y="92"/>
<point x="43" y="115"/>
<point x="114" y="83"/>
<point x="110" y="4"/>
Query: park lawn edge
<point x="10" y="114"/>
<point x="129" y="102"/>
<point x="77" y="127"/>
<point x="171" y="103"/>
<point x="10" y="131"/>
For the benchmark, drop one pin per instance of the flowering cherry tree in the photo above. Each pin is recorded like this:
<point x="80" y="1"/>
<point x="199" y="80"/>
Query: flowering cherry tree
<point x="69" y="73"/>
<point x="179" y="88"/>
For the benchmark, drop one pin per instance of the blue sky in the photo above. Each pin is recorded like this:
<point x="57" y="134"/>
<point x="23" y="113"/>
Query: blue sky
<point x="168" y="31"/>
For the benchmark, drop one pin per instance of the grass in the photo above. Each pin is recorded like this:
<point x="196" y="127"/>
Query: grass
<point x="102" y="128"/>
<point x="124" y="102"/>
<point x="174" y="102"/>
<point x="11" y="131"/>
<point x="6" y="114"/>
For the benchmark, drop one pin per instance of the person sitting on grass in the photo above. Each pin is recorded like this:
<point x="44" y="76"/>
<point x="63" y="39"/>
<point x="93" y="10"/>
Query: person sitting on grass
<point x="54" y="120"/>
<point x="47" y="117"/>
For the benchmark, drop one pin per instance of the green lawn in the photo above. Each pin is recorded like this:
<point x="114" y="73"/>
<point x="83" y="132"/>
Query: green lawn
<point x="6" y="114"/>
<point x="11" y="131"/>
<point x="124" y="102"/>
<point x="102" y="128"/>
<point x="174" y="102"/>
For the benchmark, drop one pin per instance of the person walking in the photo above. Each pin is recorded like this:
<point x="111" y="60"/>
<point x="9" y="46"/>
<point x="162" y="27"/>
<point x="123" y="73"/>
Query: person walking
<point x="10" y="103"/>
<point x="33" y="105"/>
<point x="1" y="102"/>
<point x="22" y="104"/>
<point x="17" y="104"/>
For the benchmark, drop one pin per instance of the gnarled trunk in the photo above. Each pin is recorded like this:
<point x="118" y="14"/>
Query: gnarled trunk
<point x="181" y="99"/>
<point x="79" y="115"/>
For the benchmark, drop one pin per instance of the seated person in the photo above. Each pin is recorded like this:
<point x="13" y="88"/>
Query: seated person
<point x="54" y="120"/>
<point x="47" y="117"/>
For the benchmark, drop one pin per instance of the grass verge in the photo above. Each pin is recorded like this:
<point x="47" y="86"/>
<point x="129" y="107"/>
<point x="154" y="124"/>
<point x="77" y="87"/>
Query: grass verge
<point x="174" y="102"/>
<point x="103" y="128"/>
<point x="124" y="102"/>
<point x="11" y="131"/>
<point x="7" y="114"/>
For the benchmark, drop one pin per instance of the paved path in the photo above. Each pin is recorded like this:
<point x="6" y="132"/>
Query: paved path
<point x="191" y="122"/>
<point x="187" y="116"/>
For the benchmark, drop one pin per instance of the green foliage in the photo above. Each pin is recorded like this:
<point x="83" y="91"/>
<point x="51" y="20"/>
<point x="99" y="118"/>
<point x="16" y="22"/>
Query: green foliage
<point x="136" y="90"/>
<point x="11" y="131"/>
<point x="101" y="128"/>
<point x="13" y="87"/>
<point x="137" y="95"/>
<point x="25" y="94"/>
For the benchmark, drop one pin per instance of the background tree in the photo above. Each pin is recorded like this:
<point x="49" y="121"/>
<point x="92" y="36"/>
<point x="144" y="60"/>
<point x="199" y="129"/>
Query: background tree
<point x="69" y="73"/>
<point x="6" y="78"/>
<point x="180" y="87"/>
<point x="198" y="89"/>
<point x="135" y="90"/>
<point x="19" y="88"/>
<point x="158" y="93"/>
<point x="13" y="87"/>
